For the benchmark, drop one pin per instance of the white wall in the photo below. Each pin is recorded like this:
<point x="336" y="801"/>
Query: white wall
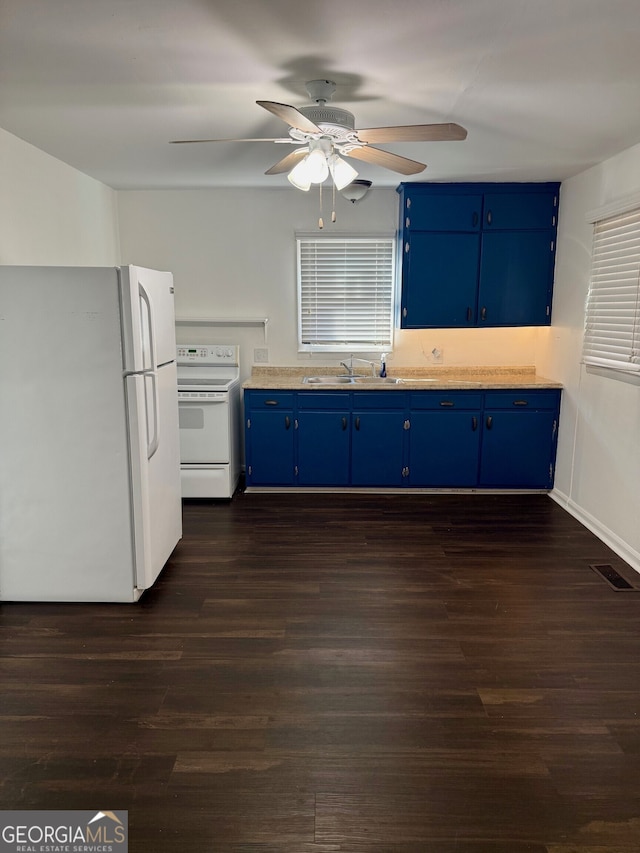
<point x="51" y="214"/>
<point x="598" y="470"/>
<point x="232" y="253"/>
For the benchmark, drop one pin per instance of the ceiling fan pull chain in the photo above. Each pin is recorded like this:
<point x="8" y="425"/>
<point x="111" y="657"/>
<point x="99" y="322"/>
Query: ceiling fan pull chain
<point x="333" y="201"/>
<point x="320" y="222"/>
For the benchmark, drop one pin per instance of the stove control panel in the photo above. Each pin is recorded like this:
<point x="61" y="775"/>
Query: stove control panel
<point x="207" y="354"/>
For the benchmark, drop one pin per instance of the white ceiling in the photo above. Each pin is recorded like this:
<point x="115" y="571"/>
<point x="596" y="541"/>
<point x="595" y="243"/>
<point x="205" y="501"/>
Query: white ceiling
<point x="545" y="88"/>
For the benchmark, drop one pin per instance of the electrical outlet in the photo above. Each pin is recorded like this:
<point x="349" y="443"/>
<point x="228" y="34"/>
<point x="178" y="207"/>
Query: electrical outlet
<point x="437" y="355"/>
<point x="261" y="355"/>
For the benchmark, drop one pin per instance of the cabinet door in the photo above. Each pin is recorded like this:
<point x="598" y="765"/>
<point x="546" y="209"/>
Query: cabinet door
<point x="323" y="448"/>
<point x="518" y="449"/>
<point x="440" y="278"/>
<point x="444" y="448"/>
<point x="442" y="212"/>
<point x="377" y="448"/>
<point x="514" y="210"/>
<point x="516" y="274"/>
<point x="270" y="447"/>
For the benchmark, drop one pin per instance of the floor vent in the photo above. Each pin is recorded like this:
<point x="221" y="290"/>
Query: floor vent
<point x="615" y="580"/>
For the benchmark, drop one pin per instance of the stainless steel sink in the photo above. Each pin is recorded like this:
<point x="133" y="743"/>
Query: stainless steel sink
<point x="350" y="380"/>
<point x="376" y="380"/>
<point x="328" y="380"/>
<point x="359" y="379"/>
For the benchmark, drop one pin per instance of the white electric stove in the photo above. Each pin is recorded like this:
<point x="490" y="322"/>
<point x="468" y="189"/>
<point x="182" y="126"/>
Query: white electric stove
<point x="209" y="417"/>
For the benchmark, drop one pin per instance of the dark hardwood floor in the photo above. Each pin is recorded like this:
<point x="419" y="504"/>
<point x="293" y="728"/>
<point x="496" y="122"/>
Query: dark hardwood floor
<point x="341" y="672"/>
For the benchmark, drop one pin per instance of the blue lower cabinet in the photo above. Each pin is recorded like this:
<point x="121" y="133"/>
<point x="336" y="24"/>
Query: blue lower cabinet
<point x="444" y="448"/>
<point x="270" y="449"/>
<point x="323" y="448"/>
<point x="503" y="439"/>
<point x="518" y="449"/>
<point x="269" y="438"/>
<point x="519" y="438"/>
<point x="377" y="447"/>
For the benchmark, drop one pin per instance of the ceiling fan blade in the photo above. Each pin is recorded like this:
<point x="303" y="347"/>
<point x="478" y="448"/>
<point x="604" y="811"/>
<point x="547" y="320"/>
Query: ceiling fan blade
<point x="413" y="133"/>
<point x="390" y="161"/>
<point x="189" y="141"/>
<point x="288" y="162"/>
<point x="291" y="115"/>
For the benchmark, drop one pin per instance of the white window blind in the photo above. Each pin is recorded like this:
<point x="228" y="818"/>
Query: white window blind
<point x="345" y="293"/>
<point x="612" y="325"/>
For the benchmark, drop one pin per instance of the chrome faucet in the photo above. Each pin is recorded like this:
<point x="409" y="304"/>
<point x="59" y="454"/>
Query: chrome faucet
<point x="349" y="367"/>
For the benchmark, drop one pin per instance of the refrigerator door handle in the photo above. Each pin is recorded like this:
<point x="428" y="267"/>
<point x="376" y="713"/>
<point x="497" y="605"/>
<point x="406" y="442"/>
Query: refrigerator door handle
<point x="146" y="299"/>
<point x="154" y="442"/>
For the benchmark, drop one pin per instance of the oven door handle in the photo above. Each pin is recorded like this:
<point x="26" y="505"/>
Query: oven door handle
<point x="200" y="401"/>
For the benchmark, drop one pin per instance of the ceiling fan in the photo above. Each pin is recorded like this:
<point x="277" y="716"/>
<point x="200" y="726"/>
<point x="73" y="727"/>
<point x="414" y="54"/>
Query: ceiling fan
<point x="323" y="132"/>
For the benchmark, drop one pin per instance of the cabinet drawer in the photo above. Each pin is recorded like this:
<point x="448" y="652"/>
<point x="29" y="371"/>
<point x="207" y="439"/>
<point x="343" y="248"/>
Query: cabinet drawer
<point x="323" y="400"/>
<point x="521" y="399"/>
<point x="444" y="400"/>
<point x="269" y="399"/>
<point x="379" y="400"/>
<point x="443" y="212"/>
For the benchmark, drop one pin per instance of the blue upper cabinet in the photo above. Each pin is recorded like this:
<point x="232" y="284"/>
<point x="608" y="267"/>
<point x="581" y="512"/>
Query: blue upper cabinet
<point x="443" y="212"/>
<point x="521" y="206"/>
<point x="477" y="254"/>
<point x="440" y="279"/>
<point x="516" y="277"/>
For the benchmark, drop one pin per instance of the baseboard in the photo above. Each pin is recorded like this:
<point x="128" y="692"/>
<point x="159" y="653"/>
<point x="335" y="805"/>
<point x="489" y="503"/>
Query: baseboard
<point x="382" y="490"/>
<point x="612" y="540"/>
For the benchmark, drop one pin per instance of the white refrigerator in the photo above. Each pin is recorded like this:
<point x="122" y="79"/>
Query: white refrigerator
<point x="90" y="504"/>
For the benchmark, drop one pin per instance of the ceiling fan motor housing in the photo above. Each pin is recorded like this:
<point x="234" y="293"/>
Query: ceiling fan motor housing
<point x="331" y="116"/>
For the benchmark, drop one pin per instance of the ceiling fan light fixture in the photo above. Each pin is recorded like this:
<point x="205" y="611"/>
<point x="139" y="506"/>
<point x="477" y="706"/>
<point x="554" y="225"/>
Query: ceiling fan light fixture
<point x="317" y="168"/>
<point x="341" y="172"/>
<point x="299" y="176"/>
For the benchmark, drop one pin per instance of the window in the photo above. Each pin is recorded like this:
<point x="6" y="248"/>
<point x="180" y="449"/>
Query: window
<point x="345" y="293"/>
<point x="612" y="326"/>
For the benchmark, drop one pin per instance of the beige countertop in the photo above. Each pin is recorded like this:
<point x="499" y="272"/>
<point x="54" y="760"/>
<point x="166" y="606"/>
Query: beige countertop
<point x="412" y="378"/>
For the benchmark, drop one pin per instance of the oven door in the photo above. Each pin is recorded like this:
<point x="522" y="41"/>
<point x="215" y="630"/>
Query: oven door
<point x="204" y="426"/>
